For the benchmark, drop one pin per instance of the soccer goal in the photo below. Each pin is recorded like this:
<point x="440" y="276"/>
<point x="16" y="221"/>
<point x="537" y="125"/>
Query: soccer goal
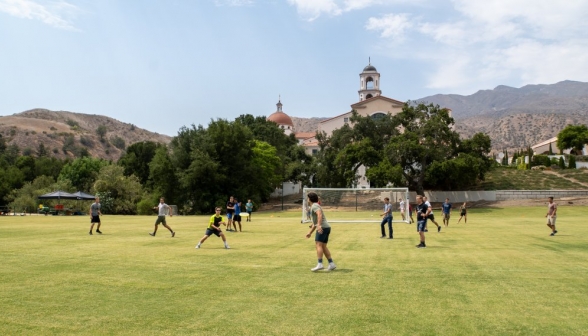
<point x="349" y="205"/>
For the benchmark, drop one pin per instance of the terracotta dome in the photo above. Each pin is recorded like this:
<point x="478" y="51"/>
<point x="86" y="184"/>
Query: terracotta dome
<point x="280" y="118"/>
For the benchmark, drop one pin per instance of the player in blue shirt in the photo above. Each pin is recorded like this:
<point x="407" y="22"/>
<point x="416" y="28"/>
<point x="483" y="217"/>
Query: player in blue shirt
<point x="446" y="208"/>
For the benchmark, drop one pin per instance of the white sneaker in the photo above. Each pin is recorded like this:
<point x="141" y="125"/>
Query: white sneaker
<point x="227" y="247"/>
<point x="197" y="246"/>
<point x="331" y="267"/>
<point x="317" y="268"/>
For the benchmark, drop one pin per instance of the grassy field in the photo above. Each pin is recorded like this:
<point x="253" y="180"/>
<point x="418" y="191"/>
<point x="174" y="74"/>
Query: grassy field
<point x="578" y="174"/>
<point x="514" y="179"/>
<point x="500" y="274"/>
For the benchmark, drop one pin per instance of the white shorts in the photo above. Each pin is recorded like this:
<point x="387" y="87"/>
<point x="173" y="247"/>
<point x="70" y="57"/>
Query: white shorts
<point x="551" y="220"/>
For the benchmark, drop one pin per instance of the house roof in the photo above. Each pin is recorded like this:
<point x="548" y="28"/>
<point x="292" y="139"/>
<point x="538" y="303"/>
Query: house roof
<point x="546" y="142"/>
<point x="304" y="135"/>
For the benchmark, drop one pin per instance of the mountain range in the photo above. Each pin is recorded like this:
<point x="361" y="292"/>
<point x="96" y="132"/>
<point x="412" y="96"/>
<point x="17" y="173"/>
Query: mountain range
<point x="514" y="118"/>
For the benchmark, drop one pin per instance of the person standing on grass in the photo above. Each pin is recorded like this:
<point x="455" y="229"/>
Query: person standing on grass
<point x="249" y="209"/>
<point x="446" y="209"/>
<point x="423" y="212"/>
<point x="230" y="212"/>
<point x="213" y="228"/>
<point x="401" y="205"/>
<point x="95" y="215"/>
<point x="386" y="218"/>
<point x="410" y="213"/>
<point x="431" y="216"/>
<point x="463" y="213"/>
<point x="551" y="215"/>
<point x="237" y="218"/>
<point x="323" y="230"/>
<point x="162" y="209"/>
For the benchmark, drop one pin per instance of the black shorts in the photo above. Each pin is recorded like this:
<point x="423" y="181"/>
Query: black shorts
<point x="210" y="232"/>
<point x="463" y="213"/>
<point x="323" y="237"/>
<point x="237" y="218"/>
<point x="95" y="219"/>
<point x="431" y="217"/>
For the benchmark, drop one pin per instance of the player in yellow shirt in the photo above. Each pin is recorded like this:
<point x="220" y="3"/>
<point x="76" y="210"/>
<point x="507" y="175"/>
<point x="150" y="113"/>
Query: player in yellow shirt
<point x="213" y="228"/>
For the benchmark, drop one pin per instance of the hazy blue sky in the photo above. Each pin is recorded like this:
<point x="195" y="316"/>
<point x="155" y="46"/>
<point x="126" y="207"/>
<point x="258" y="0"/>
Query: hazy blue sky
<point x="164" y="64"/>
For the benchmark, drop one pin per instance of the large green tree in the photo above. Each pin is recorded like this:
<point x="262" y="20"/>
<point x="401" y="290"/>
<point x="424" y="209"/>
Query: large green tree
<point x="82" y="172"/>
<point x="121" y="193"/>
<point x="574" y="137"/>
<point x="137" y="159"/>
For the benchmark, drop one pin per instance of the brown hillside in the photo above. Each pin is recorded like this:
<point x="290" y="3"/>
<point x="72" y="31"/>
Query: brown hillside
<point x="57" y="128"/>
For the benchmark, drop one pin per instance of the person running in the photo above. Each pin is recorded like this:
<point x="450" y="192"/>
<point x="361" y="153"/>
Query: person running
<point x="162" y="209"/>
<point x="323" y="230"/>
<point x="410" y="213"/>
<point x="463" y="213"/>
<point x="95" y="215"/>
<point x="249" y="209"/>
<point x="401" y="205"/>
<point x="423" y="211"/>
<point x="237" y="218"/>
<point x="431" y="216"/>
<point x="230" y="212"/>
<point x="551" y="215"/>
<point x="386" y="218"/>
<point x="213" y="228"/>
<point x="446" y="209"/>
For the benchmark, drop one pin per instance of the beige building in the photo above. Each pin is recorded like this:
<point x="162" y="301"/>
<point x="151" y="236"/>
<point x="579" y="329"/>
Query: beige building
<point x="371" y="104"/>
<point x="543" y="147"/>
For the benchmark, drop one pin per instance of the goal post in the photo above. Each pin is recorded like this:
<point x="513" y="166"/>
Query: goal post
<point x="352" y="205"/>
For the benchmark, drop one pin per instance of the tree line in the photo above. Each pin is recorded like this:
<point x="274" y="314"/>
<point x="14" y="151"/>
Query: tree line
<point x="249" y="157"/>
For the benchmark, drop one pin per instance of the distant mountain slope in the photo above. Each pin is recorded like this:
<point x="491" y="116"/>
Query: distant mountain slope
<point x="516" y="118"/>
<point x="57" y="130"/>
<point x="563" y="97"/>
<point x="306" y="124"/>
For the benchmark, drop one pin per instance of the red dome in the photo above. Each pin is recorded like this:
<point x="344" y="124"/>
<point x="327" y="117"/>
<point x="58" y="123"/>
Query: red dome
<point x="280" y="118"/>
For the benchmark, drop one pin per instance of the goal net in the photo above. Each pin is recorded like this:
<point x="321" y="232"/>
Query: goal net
<point x="173" y="210"/>
<point x="349" y="205"/>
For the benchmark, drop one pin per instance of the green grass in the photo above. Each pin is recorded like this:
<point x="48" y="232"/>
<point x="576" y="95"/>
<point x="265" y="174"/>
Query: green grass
<point x="578" y="174"/>
<point x="514" y="179"/>
<point x="501" y="274"/>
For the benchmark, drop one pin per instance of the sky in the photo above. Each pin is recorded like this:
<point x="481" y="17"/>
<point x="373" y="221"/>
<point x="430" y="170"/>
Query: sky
<point x="165" y="64"/>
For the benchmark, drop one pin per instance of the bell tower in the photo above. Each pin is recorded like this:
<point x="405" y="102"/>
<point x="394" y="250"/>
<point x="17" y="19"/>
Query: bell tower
<point x="369" y="82"/>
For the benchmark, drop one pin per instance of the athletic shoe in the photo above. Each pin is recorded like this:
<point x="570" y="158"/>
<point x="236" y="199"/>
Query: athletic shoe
<point x="98" y="231"/>
<point x="173" y="234"/>
<point x="90" y="232"/>
<point x="390" y="237"/>
<point x="421" y="245"/>
<point x="439" y="229"/>
<point x="317" y="268"/>
<point x="331" y="267"/>
<point x="227" y="247"/>
<point x="152" y="234"/>
<point x="383" y="237"/>
<point x="197" y="246"/>
<point x="555" y="231"/>
<point x="552" y="234"/>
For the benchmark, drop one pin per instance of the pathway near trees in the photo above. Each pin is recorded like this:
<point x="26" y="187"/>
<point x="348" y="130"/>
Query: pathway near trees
<point x="551" y="172"/>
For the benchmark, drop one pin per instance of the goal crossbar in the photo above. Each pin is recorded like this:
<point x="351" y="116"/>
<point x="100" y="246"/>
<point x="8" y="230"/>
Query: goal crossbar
<point x="353" y="205"/>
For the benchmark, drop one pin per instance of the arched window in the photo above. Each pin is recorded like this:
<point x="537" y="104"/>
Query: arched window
<point x="378" y="115"/>
<point x="369" y="83"/>
<point x="368" y="96"/>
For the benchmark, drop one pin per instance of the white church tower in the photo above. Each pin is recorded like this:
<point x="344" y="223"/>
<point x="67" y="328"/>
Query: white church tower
<point x="369" y="83"/>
